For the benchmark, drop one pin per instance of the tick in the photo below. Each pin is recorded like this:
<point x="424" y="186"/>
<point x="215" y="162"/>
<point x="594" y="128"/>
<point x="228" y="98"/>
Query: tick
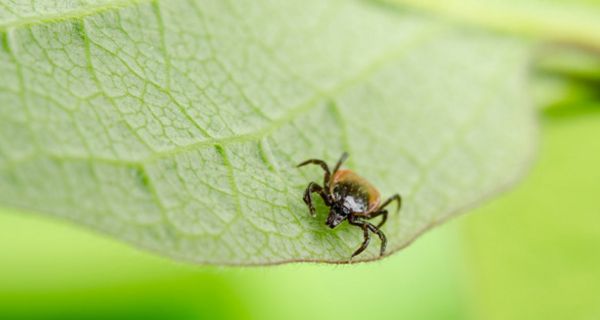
<point x="350" y="197"/>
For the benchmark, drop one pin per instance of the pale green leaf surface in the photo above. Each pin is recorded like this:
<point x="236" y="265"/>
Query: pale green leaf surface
<point x="176" y="125"/>
<point x="19" y="12"/>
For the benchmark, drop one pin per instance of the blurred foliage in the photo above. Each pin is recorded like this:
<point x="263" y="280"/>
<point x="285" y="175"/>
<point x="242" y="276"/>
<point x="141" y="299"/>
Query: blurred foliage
<point x="572" y="21"/>
<point x="534" y="252"/>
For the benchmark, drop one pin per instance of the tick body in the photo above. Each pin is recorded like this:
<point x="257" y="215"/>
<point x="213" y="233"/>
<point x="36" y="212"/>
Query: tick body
<point x="350" y="197"/>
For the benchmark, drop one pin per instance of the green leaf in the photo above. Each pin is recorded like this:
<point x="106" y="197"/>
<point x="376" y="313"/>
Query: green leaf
<point x="572" y="21"/>
<point x="176" y="125"/>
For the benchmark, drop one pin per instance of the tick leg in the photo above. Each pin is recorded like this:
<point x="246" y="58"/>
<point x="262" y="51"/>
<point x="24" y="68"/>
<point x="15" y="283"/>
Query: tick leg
<point x="395" y="197"/>
<point x="366" y="226"/>
<point x="339" y="163"/>
<point x="371" y="215"/>
<point x="313" y="187"/>
<point x="381" y="237"/>
<point x="367" y="237"/>
<point x="383" y="213"/>
<point x="323" y="165"/>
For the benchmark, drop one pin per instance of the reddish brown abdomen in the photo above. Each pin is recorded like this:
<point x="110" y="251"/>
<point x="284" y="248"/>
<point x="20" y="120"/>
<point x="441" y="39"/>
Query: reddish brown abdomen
<point x="346" y="183"/>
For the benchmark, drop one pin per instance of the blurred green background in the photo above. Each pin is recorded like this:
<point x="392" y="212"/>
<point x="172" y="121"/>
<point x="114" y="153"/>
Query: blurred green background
<point x="532" y="253"/>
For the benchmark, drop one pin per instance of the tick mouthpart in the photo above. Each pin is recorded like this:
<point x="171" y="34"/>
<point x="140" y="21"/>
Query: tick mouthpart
<point x="334" y="219"/>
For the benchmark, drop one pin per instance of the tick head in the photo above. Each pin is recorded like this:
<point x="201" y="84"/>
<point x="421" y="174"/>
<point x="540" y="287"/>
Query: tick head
<point x="337" y="214"/>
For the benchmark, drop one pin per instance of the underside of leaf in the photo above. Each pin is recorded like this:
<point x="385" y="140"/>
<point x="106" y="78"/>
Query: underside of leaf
<point x="176" y="125"/>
